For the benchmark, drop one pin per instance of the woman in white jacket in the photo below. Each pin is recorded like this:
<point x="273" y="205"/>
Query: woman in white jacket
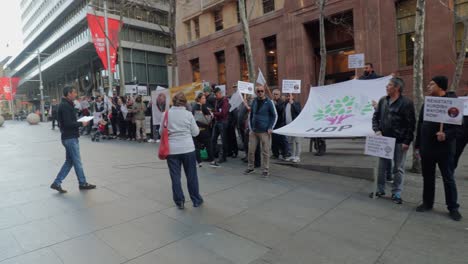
<point x="182" y="128"/>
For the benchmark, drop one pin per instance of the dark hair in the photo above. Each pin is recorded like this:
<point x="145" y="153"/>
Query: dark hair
<point x="217" y="90"/>
<point x="179" y="99"/>
<point x="67" y="90"/>
<point x="370" y="64"/>
<point x="199" y="97"/>
<point x="398" y="82"/>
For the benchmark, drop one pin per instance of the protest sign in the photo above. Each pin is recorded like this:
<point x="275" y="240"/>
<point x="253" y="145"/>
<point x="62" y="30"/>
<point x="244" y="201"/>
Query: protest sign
<point x="160" y="100"/>
<point x="356" y="61"/>
<point x="444" y="110"/>
<point x="292" y="86"/>
<point x="465" y="100"/>
<point x="245" y="87"/>
<point x="131" y="89"/>
<point x="142" y="90"/>
<point x="380" y="146"/>
<point x="190" y="90"/>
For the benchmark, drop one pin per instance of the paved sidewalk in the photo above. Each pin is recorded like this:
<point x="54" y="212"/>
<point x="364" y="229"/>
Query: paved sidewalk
<point x="297" y="216"/>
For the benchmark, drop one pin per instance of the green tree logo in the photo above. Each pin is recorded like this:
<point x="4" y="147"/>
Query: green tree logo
<point x="341" y="109"/>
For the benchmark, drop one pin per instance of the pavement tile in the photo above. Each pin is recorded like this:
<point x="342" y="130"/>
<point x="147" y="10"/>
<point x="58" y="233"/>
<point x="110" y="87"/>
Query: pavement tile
<point x="45" y="255"/>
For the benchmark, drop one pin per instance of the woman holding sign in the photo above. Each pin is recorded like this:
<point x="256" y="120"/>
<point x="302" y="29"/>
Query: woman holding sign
<point x="436" y="144"/>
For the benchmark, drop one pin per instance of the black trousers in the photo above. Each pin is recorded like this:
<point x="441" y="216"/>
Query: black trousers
<point x="53" y="122"/>
<point x="462" y="140"/>
<point x="123" y="124"/>
<point x="114" y="125"/>
<point x="232" y="141"/>
<point x="219" y="129"/>
<point x="131" y="130"/>
<point x="203" y="140"/>
<point x="445" y="162"/>
<point x="279" y="145"/>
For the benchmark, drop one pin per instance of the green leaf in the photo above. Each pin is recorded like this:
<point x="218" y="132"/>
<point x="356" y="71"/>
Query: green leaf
<point x="338" y="101"/>
<point x="345" y="99"/>
<point x="349" y="111"/>
<point x="349" y="103"/>
<point x="338" y="105"/>
<point x="328" y="110"/>
<point x="342" y="111"/>
<point x="320" y="111"/>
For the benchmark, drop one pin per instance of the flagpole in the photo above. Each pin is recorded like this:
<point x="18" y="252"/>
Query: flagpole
<point x="109" y="70"/>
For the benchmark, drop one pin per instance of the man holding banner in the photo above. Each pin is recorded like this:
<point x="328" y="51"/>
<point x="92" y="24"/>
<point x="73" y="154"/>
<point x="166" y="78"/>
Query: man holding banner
<point x="436" y="143"/>
<point x="394" y="117"/>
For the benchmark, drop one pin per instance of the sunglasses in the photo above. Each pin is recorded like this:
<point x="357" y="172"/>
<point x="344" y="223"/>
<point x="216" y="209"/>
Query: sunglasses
<point x="260" y="91"/>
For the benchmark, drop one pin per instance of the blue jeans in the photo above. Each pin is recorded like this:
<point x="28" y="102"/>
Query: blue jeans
<point x="189" y="162"/>
<point x="73" y="159"/>
<point x="398" y="171"/>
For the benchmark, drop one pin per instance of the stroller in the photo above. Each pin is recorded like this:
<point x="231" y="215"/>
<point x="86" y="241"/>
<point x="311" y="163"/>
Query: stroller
<point x="99" y="129"/>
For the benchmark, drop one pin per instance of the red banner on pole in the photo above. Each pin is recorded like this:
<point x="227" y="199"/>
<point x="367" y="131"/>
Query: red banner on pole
<point x="8" y="87"/>
<point x="97" y="27"/>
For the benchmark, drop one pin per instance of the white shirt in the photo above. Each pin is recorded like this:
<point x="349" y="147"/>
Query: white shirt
<point x="288" y="114"/>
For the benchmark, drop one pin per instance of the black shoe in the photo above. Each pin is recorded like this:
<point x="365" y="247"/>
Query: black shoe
<point x="180" y="205"/>
<point x="423" y="208"/>
<point x="455" y="215"/>
<point x="58" y="188"/>
<point x="389" y="180"/>
<point x="87" y="186"/>
<point x="214" y="164"/>
<point x="248" y="171"/>
<point x="265" y="174"/>
<point x="397" y="199"/>
<point x="198" y="204"/>
<point x="378" y="194"/>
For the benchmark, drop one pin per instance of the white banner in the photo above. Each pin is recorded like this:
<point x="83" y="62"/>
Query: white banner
<point x="292" y="86"/>
<point x="380" y="146"/>
<point x="338" y="110"/>
<point x="160" y="100"/>
<point x="142" y="90"/>
<point x="443" y="110"/>
<point x="131" y="89"/>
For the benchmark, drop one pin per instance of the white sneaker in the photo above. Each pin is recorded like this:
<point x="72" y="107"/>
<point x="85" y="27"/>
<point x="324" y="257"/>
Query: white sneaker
<point x="150" y="141"/>
<point x="296" y="160"/>
<point x="290" y="158"/>
<point x="157" y="141"/>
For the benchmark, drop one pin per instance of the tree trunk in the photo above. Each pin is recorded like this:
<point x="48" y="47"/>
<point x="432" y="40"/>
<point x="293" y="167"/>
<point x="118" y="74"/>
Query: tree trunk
<point x="323" y="45"/>
<point x="418" y="75"/>
<point x="247" y="44"/>
<point x="172" y="34"/>
<point x="461" y="58"/>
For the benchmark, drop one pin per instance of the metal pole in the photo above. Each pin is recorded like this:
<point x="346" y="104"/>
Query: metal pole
<point x="41" y="86"/>
<point x="109" y="71"/>
<point x="12" y="112"/>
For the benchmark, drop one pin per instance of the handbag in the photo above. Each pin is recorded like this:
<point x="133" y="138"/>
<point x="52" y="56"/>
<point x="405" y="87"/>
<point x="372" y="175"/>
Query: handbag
<point x="202" y="119"/>
<point x="164" y="143"/>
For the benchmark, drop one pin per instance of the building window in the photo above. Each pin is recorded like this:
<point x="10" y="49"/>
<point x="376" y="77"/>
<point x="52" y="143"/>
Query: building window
<point x="244" y="70"/>
<point x="271" y="55"/>
<point x="188" y="30"/>
<point x="406" y="15"/>
<point x="196" y="25"/>
<point x="221" y="61"/>
<point x="461" y="9"/>
<point x="268" y="6"/>
<point x="218" y="19"/>
<point x="195" y="70"/>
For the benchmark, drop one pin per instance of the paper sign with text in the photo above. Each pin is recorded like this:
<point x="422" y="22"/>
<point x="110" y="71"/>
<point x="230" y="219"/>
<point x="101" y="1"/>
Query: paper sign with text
<point x="245" y="87"/>
<point x="444" y="110"/>
<point x="380" y="146"/>
<point x="465" y="100"/>
<point x="356" y="61"/>
<point x="292" y="86"/>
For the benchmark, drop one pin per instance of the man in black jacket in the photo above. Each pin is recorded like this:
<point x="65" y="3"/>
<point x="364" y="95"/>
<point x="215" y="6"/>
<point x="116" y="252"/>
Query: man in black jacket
<point x="369" y="73"/>
<point x="279" y="145"/>
<point x="394" y="117"/>
<point x="69" y="127"/>
<point x="436" y="145"/>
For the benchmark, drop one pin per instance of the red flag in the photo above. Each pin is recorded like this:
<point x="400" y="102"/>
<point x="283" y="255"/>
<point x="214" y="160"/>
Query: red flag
<point x="97" y="27"/>
<point x="8" y="87"/>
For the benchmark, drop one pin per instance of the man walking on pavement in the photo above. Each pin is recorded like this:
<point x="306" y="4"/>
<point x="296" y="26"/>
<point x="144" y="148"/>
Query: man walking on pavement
<point x="292" y="109"/>
<point x="221" y="114"/>
<point x="279" y="145"/>
<point x="53" y="112"/>
<point x="436" y="144"/>
<point x="139" y="108"/>
<point x="262" y="120"/>
<point x="69" y="127"/>
<point x="394" y="117"/>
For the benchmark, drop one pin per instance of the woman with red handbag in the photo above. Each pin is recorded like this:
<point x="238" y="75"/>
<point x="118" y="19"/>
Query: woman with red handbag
<point x="177" y="130"/>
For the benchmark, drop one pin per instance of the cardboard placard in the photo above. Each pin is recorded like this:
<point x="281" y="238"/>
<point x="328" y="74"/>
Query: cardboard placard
<point x="292" y="86"/>
<point x="380" y="146"/>
<point x="465" y="100"/>
<point x="444" y="110"/>
<point x="356" y="61"/>
<point x="245" y="87"/>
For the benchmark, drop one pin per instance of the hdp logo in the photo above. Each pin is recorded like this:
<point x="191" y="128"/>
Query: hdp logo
<point x="340" y="109"/>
